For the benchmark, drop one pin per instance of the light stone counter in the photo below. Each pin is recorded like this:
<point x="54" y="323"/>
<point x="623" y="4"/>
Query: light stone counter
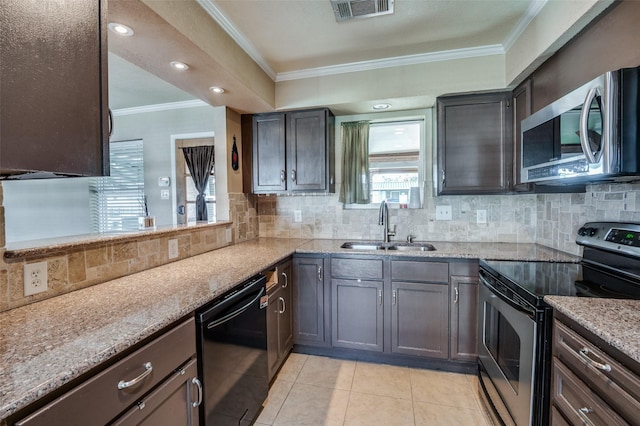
<point x="47" y="344"/>
<point x="462" y="250"/>
<point x="615" y="321"/>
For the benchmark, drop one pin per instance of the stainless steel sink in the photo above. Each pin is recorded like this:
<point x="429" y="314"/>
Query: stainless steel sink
<point x="374" y="245"/>
<point x="411" y="247"/>
<point x="364" y="245"/>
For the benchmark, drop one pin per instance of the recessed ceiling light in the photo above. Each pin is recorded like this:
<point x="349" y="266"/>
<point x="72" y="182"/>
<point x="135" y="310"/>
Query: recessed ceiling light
<point x="216" y="89"/>
<point x="381" y="106"/>
<point x="180" y="66"/>
<point x="120" y="29"/>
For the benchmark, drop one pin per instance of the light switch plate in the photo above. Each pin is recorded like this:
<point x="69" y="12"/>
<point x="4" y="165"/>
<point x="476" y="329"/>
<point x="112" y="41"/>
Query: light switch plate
<point x="297" y="215"/>
<point x="443" y="212"/>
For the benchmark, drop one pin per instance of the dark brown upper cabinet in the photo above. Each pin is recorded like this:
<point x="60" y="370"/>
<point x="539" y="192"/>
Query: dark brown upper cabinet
<point x="521" y="109"/>
<point x="53" y="80"/>
<point x="475" y="142"/>
<point x="290" y="151"/>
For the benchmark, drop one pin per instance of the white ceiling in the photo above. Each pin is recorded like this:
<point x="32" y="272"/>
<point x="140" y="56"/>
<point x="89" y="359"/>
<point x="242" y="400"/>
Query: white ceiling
<point x="291" y="39"/>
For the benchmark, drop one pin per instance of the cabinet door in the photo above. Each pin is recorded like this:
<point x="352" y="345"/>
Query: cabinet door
<point x="357" y="314"/>
<point x="285" y="319"/>
<point x="464" y="308"/>
<point x="269" y="168"/>
<point x="54" y="103"/>
<point x="175" y="402"/>
<point x="310" y="302"/>
<point x="474" y="144"/>
<point x="420" y="319"/>
<point x="273" y="346"/>
<point x="521" y="110"/>
<point x="307" y="152"/>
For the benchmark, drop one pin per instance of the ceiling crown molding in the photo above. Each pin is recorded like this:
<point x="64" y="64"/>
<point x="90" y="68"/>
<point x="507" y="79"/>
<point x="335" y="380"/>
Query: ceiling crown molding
<point x="532" y="11"/>
<point x="422" y="58"/>
<point x="210" y="7"/>
<point x="497" y="49"/>
<point x="159" y="107"/>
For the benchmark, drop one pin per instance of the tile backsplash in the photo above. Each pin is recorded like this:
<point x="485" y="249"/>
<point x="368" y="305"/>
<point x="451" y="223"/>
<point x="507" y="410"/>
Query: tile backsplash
<point x="83" y="265"/>
<point x="548" y="219"/>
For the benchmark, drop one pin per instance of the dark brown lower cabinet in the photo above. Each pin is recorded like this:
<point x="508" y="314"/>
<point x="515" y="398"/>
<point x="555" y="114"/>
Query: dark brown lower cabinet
<point x="279" y="319"/>
<point x="170" y="404"/>
<point x="357" y="314"/>
<point x="159" y="381"/>
<point x="311" y="301"/>
<point x="464" y="318"/>
<point x="420" y="319"/>
<point x="589" y="384"/>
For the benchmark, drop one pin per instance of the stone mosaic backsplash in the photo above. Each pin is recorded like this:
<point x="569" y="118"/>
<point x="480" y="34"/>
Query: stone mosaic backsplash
<point x="84" y="265"/>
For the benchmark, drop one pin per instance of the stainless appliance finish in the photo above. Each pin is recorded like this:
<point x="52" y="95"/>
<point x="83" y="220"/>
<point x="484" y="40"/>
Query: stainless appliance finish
<point x="590" y="134"/>
<point x="514" y="322"/>
<point x="232" y="355"/>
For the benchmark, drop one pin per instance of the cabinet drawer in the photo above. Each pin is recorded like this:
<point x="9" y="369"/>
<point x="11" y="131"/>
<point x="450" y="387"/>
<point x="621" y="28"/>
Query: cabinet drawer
<point x="356" y="268"/>
<point x="98" y="400"/>
<point x="407" y="270"/>
<point x="619" y="386"/>
<point x="577" y="402"/>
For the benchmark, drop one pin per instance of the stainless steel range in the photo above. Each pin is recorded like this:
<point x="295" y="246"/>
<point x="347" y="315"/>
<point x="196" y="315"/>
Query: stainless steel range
<point x="514" y="322"/>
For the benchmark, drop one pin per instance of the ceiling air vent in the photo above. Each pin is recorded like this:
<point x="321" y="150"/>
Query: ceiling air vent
<point x="356" y="9"/>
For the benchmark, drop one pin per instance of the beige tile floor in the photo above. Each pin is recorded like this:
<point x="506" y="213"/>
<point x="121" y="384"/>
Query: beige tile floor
<point x="313" y="390"/>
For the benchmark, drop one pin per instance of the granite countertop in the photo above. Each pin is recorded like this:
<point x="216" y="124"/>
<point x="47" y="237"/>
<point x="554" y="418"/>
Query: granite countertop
<point x="46" y="344"/>
<point x="615" y="321"/>
<point x="463" y="250"/>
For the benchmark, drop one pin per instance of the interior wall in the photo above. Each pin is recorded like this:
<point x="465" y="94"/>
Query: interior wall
<point x="156" y="129"/>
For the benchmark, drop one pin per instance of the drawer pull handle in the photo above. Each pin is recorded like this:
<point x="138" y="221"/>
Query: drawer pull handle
<point x="457" y="295"/>
<point x="284" y="306"/>
<point x="286" y="280"/>
<point x="584" y="353"/>
<point x="196" y="382"/>
<point x="582" y="412"/>
<point x="148" y="368"/>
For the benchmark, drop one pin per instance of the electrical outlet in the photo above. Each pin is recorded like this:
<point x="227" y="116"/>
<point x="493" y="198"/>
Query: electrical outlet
<point x="297" y="215"/>
<point x="173" y="248"/>
<point x="35" y="278"/>
<point x="228" y="234"/>
<point x="481" y="216"/>
<point x="443" y="212"/>
<point x="164" y="194"/>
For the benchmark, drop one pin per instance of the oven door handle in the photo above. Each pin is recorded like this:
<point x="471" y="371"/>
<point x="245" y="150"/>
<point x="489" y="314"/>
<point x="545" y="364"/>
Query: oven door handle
<point x="528" y="310"/>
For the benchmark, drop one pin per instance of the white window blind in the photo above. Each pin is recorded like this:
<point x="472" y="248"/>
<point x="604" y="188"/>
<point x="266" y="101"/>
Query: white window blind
<point x="117" y="200"/>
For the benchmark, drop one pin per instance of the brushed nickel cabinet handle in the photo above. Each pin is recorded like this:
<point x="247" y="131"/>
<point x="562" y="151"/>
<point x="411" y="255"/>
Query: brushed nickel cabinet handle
<point x="286" y="280"/>
<point x="395" y="296"/>
<point x="293" y="175"/>
<point x="196" y="382"/>
<point x="148" y="368"/>
<point x="380" y="297"/>
<point x="319" y="273"/>
<point x="284" y="306"/>
<point x="283" y="175"/>
<point x="583" y="412"/>
<point x="584" y="353"/>
<point x="457" y="295"/>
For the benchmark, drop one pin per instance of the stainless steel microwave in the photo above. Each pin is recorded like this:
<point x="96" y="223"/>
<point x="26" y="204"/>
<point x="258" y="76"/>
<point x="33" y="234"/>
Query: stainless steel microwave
<point x="589" y="135"/>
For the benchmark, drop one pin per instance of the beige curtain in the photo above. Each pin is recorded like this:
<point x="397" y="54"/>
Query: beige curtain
<point x="355" y="163"/>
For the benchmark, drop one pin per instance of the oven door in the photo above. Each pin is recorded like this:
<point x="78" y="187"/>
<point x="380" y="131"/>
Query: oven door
<point x="506" y="347"/>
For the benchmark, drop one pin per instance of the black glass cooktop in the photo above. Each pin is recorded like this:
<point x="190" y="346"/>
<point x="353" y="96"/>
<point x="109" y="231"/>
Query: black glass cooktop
<point x="534" y="280"/>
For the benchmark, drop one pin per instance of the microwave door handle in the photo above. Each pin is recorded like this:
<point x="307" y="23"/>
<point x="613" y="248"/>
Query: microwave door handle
<point x="584" y="125"/>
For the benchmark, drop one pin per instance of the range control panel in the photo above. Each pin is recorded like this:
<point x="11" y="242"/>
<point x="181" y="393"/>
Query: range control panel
<point x="611" y="236"/>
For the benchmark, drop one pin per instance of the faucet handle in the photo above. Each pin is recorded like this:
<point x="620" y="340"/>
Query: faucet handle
<point x="410" y="238"/>
<point x="392" y="233"/>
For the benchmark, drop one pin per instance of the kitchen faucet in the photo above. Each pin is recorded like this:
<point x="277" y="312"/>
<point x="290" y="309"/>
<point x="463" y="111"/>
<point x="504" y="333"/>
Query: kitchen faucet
<point x="383" y="219"/>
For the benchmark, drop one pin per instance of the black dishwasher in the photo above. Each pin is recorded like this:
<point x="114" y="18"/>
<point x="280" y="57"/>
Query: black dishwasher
<point x="232" y="355"/>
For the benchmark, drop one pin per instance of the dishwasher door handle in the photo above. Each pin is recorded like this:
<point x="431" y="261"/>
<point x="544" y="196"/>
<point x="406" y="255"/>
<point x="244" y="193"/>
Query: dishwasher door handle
<point x="235" y="313"/>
